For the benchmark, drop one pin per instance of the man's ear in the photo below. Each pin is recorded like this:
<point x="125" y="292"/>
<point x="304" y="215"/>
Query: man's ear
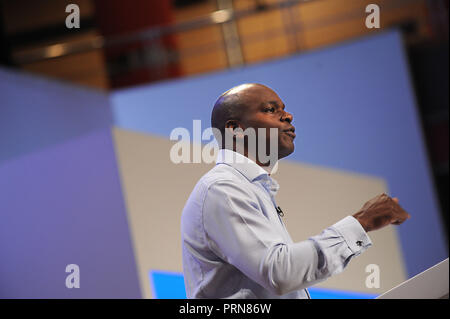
<point x="234" y="128"/>
<point x="231" y="125"/>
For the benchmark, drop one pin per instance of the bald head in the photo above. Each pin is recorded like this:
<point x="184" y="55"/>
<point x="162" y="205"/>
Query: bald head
<point x="232" y="104"/>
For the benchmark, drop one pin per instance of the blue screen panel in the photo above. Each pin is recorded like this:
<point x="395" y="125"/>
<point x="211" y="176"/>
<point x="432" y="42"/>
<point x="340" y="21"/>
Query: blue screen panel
<point x="322" y="293"/>
<point x="167" y="285"/>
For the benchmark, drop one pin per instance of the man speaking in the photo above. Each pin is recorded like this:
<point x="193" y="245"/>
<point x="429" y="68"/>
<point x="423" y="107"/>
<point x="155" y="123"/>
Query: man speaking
<point x="234" y="242"/>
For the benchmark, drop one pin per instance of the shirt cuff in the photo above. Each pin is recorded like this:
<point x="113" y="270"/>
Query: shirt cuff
<point x="354" y="234"/>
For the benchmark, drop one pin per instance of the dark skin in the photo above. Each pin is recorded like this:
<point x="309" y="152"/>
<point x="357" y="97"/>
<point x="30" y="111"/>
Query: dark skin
<point x="257" y="106"/>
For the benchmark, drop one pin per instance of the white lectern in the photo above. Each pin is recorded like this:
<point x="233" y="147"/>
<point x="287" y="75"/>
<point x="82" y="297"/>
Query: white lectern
<point x="430" y="284"/>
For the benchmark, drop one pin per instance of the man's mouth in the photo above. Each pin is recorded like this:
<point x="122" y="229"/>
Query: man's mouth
<point x="290" y="132"/>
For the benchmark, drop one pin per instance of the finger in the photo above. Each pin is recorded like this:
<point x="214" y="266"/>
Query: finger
<point x="400" y="219"/>
<point x="399" y="209"/>
<point x="404" y="213"/>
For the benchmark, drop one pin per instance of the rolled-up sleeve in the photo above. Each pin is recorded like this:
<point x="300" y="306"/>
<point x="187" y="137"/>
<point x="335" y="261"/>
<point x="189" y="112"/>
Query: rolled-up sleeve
<point x="238" y="232"/>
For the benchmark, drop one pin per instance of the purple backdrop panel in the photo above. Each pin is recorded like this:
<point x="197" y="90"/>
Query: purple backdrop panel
<point x="36" y="112"/>
<point x="63" y="205"/>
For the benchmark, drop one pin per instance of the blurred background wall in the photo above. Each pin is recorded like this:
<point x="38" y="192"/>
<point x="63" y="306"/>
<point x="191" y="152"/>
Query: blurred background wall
<point x="84" y="131"/>
<point x="122" y="44"/>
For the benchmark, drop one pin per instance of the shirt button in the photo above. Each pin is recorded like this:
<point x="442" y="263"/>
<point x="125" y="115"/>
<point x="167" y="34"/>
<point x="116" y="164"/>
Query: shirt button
<point x="359" y="243"/>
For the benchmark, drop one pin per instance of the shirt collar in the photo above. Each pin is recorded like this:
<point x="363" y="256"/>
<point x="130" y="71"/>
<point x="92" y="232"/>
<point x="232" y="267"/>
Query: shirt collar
<point x="248" y="168"/>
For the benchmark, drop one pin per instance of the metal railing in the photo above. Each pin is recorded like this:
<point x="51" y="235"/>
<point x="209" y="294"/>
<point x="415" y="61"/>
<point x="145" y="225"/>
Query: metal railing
<point x="219" y="17"/>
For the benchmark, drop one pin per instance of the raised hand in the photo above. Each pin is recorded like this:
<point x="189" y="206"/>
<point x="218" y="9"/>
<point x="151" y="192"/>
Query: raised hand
<point x="381" y="211"/>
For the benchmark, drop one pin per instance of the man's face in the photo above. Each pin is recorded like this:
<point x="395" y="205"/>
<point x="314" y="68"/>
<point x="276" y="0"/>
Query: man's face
<point x="266" y="110"/>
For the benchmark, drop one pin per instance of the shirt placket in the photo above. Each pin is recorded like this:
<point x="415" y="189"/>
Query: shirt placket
<point x="267" y="186"/>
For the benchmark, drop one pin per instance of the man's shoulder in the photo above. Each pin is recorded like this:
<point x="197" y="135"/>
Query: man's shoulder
<point x="221" y="174"/>
<point x="216" y="184"/>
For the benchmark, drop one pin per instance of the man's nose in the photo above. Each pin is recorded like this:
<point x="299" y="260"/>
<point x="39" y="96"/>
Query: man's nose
<point x="288" y="117"/>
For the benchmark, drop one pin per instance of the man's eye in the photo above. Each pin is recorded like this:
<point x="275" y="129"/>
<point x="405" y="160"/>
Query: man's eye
<point x="270" y="109"/>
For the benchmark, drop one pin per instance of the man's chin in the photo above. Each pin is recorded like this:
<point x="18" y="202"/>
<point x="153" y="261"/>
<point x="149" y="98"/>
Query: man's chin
<point x="286" y="151"/>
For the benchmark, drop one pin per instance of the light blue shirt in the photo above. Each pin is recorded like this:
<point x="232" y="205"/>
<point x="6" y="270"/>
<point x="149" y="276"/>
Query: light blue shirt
<point x="236" y="246"/>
